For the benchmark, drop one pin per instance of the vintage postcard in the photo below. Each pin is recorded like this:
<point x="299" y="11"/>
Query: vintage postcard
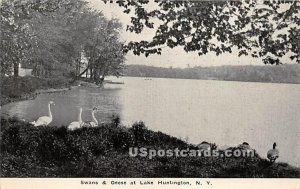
<point x="150" y="94"/>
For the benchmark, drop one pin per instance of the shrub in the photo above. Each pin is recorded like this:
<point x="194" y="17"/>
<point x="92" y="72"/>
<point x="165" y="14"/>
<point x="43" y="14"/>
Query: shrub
<point x="139" y="131"/>
<point x="122" y="139"/>
<point x="57" y="82"/>
<point x="115" y="120"/>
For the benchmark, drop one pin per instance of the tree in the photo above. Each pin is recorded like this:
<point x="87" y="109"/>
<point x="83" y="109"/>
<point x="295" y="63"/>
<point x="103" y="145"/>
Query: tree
<point x="16" y="36"/>
<point x="269" y="30"/>
<point x="57" y="38"/>
<point x="104" y="51"/>
<point x="50" y="36"/>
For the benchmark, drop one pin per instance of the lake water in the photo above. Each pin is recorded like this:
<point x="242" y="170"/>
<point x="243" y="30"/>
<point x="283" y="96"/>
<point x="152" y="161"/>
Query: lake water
<point x="226" y="113"/>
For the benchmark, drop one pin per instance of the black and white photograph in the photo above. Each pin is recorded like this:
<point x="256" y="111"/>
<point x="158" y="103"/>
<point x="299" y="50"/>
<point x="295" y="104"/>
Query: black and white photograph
<point x="150" y="89"/>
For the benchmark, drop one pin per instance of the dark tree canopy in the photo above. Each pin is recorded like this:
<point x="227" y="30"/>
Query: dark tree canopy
<point x="18" y="40"/>
<point x="262" y="29"/>
<point x="52" y="36"/>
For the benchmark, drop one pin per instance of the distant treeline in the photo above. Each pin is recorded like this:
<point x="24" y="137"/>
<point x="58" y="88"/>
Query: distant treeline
<point x="275" y="74"/>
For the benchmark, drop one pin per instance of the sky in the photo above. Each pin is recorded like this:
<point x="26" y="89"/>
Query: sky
<point x="175" y="57"/>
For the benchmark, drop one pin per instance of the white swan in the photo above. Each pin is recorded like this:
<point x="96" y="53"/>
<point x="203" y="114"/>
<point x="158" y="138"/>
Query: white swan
<point x="44" y="120"/>
<point x="93" y="123"/>
<point x="76" y="124"/>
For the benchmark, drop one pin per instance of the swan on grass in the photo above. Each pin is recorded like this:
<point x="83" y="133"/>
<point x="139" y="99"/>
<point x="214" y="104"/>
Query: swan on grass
<point x="44" y="120"/>
<point x="76" y="124"/>
<point x="93" y="123"/>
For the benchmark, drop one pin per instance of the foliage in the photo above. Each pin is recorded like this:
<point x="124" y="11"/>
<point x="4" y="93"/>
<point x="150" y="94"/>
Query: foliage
<point x="52" y="36"/>
<point x="269" y="30"/>
<point x="115" y="120"/>
<point x="28" y="151"/>
<point x="104" y="51"/>
<point x="17" y="37"/>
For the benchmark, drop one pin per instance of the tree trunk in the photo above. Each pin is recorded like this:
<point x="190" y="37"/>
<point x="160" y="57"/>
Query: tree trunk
<point x="91" y="73"/>
<point x="16" y="69"/>
<point x="83" y="71"/>
<point x="78" y="68"/>
<point x="95" y="74"/>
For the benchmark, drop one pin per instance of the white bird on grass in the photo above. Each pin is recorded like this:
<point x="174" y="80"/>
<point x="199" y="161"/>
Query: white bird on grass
<point x="76" y="124"/>
<point x="44" y="120"/>
<point x="273" y="154"/>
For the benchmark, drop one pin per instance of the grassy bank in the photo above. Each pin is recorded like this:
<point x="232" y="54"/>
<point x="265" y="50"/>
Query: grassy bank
<point x="22" y="88"/>
<point x="28" y="151"/>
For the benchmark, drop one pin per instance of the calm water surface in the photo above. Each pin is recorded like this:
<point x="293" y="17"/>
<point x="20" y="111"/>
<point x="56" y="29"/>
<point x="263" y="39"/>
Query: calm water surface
<point x="226" y="113"/>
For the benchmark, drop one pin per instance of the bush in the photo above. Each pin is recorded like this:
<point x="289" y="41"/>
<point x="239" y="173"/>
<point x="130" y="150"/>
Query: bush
<point x="57" y="82"/>
<point x="139" y="130"/>
<point x="122" y="139"/>
<point x="115" y="120"/>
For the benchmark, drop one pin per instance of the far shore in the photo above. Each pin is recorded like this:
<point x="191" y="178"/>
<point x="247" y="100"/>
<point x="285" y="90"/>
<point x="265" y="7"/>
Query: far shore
<point x="216" y="80"/>
<point x="286" y="73"/>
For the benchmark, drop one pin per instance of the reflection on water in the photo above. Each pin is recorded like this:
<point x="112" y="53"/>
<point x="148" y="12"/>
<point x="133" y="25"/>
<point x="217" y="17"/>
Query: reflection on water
<point x="227" y="113"/>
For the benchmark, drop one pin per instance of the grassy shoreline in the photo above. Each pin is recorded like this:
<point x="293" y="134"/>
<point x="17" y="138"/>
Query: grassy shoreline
<point x="102" y="151"/>
<point x="25" y="88"/>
